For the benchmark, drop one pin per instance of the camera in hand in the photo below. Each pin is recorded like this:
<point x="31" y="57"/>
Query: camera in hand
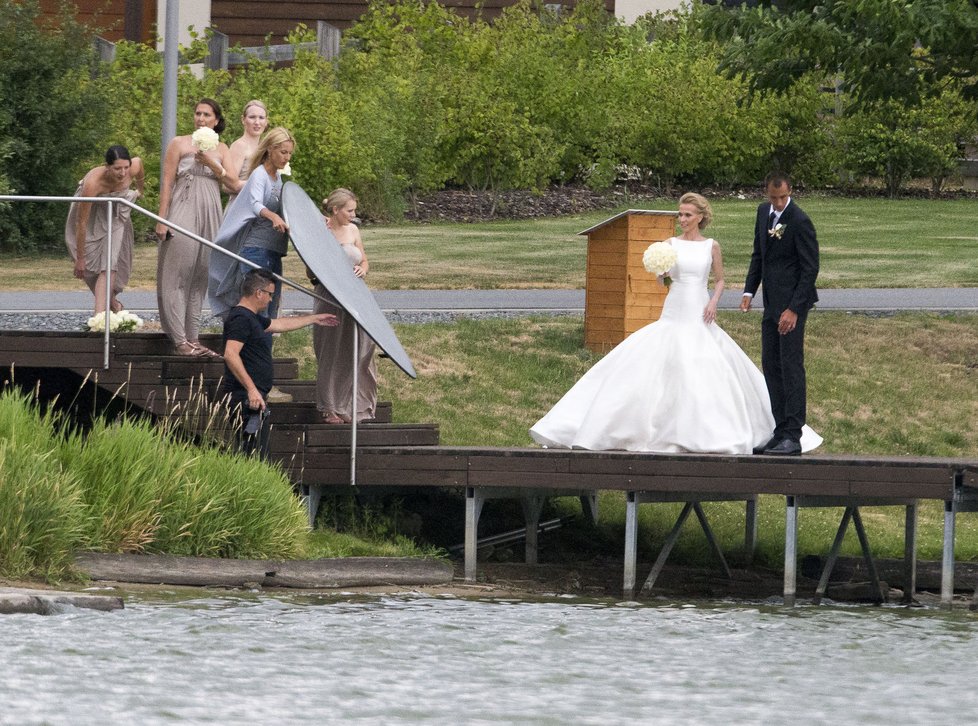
<point x="253" y="423"/>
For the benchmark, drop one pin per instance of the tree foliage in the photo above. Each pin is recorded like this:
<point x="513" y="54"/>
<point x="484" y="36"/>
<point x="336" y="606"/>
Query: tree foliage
<point x="879" y="49"/>
<point x="421" y="99"/>
<point x="51" y="110"/>
<point x="896" y="142"/>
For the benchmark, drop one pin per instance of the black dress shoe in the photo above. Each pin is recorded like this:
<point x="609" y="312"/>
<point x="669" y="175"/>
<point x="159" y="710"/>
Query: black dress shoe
<point x="769" y="444"/>
<point x="785" y="447"/>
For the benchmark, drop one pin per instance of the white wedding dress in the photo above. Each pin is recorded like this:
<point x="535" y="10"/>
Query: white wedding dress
<point x="676" y="385"/>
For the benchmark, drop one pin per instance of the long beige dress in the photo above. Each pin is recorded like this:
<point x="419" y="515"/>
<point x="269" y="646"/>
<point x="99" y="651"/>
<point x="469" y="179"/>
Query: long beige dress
<point x="181" y="271"/>
<point x="334" y="356"/>
<point x="96" y="237"/>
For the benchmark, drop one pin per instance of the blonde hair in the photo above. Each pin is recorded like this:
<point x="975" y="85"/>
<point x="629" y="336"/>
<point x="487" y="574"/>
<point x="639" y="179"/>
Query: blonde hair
<point x="278" y="135"/>
<point x="254" y="102"/>
<point x="702" y="206"/>
<point x="337" y="198"/>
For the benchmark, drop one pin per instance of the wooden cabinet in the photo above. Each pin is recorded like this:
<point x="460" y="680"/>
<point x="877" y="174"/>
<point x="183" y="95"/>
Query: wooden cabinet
<point x="621" y="296"/>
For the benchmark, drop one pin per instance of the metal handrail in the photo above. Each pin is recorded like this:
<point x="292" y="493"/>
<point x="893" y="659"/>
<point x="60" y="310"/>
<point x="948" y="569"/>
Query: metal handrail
<point x="145" y="212"/>
<point x="108" y="288"/>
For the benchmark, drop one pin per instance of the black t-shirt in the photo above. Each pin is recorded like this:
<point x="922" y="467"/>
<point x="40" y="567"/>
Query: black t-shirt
<point x="248" y="328"/>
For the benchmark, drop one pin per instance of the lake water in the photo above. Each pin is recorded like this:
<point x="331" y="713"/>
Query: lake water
<point x="258" y="658"/>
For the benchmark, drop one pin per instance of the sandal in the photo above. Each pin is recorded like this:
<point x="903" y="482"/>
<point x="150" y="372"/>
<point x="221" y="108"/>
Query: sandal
<point x="204" y="352"/>
<point x="185" y="348"/>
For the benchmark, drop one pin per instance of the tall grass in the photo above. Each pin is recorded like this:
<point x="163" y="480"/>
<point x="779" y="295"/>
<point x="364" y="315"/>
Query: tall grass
<point x="42" y="518"/>
<point x="148" y="491"/>
<point x="131" y="486"/>
<point x="124" y="470"/>
<point x="232" y="506"/>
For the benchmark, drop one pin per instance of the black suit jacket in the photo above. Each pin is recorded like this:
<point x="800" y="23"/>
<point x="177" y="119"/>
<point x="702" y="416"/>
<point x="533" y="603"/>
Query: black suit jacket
<point x="786" y="268"/>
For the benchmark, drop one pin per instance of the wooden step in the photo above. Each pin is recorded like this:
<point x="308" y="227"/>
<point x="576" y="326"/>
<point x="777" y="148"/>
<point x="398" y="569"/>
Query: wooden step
<point x="304" y="412"/>
<point x="286" y="439"/>
<point x="302" y="391"/>
<point x="331" y="467"/>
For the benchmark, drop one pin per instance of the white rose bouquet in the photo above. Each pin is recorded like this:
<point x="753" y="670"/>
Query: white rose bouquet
<point x="120" y="322"/>
<point x="286" y="170"/>
<point x="658" y="259"/>
<point x="205" y="139"/>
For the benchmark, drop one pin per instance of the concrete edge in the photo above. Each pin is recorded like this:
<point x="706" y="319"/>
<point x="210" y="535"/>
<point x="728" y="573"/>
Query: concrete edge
<point x="300" y="574"/>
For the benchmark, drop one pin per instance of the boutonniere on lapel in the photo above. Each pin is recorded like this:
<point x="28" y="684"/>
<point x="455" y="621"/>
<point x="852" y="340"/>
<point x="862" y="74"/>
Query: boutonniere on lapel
<point x="777" y="231"/>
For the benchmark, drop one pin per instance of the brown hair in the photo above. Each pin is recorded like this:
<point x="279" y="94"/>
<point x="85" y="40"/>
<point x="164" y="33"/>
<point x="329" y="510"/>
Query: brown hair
<point x="218" y="113"/>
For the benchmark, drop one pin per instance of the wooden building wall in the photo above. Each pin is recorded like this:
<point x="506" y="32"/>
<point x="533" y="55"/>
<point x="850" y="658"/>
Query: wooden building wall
<point x="115" y="19"/>
<point x="249" y="22"/>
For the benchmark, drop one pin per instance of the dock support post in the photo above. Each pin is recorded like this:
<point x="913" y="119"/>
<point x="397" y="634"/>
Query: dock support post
<point x="790" y="550"/>
<point x="874" y="577"/>
<point x="711" y="538"/>
<point x="750" y="531"/>
<point x="313" y="497"/>
<point x="532" y="506"/>
<point x="947" y="564"/>
<point x="589" y="503"/>
<point x="910" y="554"/>
<point x="631" y="543"/>
<point x="671" y="539"/>
<point x="840" y="533"/>
<point x="473" y="509"/>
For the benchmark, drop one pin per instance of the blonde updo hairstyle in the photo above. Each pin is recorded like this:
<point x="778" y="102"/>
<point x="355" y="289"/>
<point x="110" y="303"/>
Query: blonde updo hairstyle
<point x="702" y="206"/>
<point x="254" y="102"/>
<point x="278" y="135"/>
<point x="337" y="198"/>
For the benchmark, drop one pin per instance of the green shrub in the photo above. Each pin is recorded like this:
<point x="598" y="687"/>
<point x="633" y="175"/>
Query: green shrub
<point x="897" y="142"/>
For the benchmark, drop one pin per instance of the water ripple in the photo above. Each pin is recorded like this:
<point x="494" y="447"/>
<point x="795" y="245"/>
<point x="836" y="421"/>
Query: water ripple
<point x="310" y="659"/>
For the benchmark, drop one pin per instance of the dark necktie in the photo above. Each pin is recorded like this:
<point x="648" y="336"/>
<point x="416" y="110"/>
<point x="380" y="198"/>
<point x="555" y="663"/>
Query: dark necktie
<point x="771" y="218"/>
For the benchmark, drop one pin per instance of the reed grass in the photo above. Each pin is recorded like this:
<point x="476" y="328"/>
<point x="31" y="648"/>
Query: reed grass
<point x="148" y="491"/>
<point x="42" y="519"/>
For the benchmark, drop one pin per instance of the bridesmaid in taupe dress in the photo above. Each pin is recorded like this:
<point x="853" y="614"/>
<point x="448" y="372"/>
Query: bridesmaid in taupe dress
<point x="254" y="121"/>
<point x="190" y="197"/>
<point x="334" y="346"/>
<point x="87" y="230"/>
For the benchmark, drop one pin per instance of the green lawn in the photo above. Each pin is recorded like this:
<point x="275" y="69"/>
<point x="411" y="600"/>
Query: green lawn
<point x="864" y="243"/>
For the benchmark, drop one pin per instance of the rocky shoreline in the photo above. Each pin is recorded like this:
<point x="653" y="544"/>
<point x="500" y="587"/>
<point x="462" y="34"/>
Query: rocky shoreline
<point x="113" y="578"/>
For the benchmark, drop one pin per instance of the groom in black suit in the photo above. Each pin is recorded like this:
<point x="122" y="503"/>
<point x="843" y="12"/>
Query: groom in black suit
<point x="785" y="264"/>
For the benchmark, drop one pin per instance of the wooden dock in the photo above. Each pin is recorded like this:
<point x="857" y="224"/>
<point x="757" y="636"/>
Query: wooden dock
<point x="143" y="375"/>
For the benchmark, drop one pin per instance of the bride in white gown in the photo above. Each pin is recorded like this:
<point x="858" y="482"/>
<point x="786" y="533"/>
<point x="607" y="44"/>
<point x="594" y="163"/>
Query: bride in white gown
<point x="680" y="384"/>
